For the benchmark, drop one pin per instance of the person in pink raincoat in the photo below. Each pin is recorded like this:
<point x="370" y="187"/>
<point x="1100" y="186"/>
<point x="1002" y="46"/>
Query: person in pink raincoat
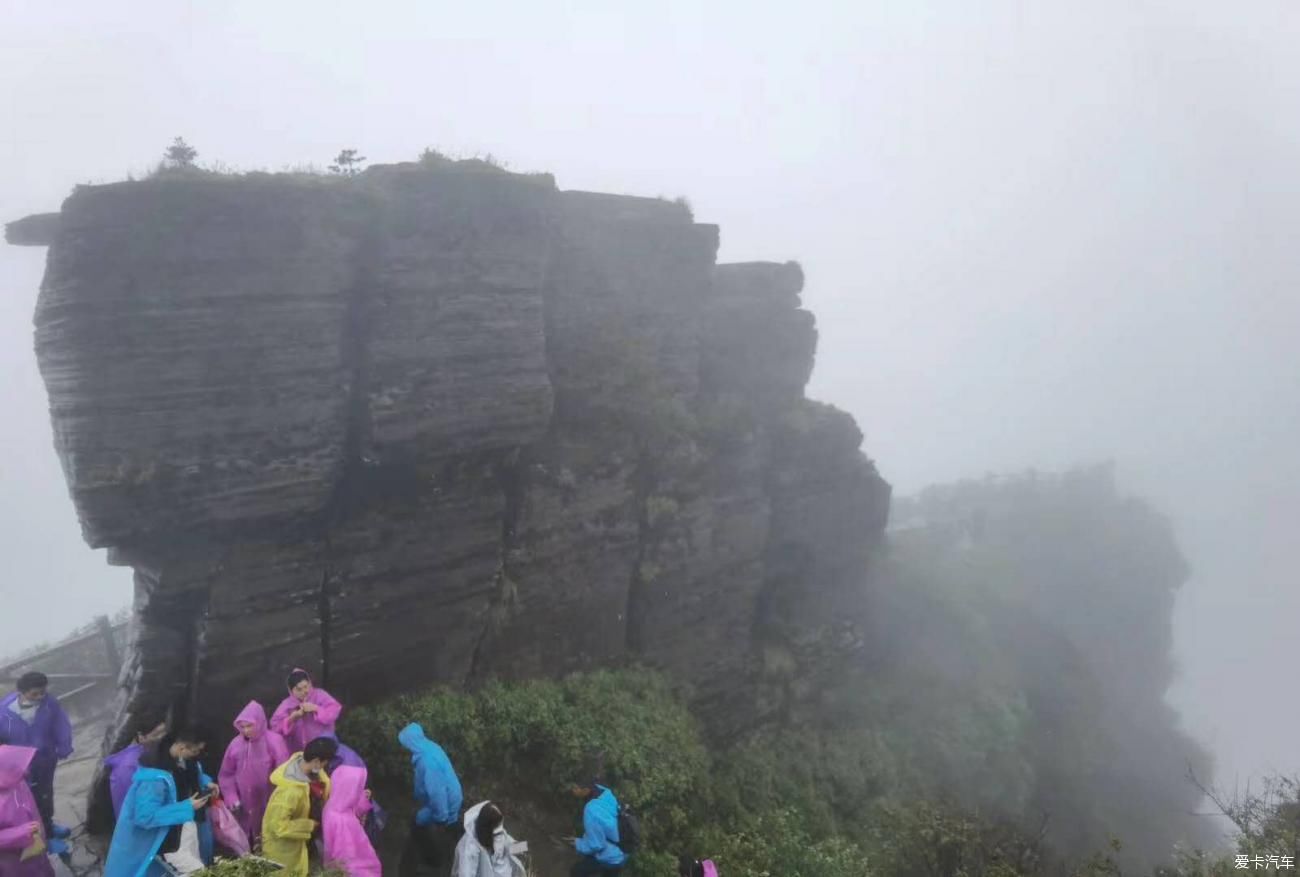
<point x="307" y="713"/>
<point x="20" y="820"/>
<point x="346" y="845"/>
<point x="245" y="777"/>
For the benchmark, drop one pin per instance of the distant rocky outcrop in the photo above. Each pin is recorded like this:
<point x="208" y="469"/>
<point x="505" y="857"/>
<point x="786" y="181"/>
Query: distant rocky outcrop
<point x="440" y="424"/>
<point x="37" y="230"/>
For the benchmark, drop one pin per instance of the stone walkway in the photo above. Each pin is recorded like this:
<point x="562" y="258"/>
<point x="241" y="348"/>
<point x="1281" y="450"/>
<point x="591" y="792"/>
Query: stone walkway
<point x="71" y="789"/>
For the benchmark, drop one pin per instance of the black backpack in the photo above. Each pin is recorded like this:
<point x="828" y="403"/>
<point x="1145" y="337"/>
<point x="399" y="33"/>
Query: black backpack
<point x="629" y="831"/>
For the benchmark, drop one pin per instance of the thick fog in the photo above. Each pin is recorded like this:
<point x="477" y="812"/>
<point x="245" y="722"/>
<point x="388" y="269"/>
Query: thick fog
<point x="1034" y="233"/>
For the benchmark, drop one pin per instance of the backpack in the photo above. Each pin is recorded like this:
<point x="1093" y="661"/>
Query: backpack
<point x="629" y="831"/>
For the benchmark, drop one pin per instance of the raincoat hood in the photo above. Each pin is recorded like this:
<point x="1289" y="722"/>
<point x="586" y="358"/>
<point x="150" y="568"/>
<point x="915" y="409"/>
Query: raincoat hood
<point x="474" y="859"/>
<point x="412" y="737"/>
<point x="347" y="785"/>
<point x="291" y="773"/>
<point x="472" y="814"/>
<point x="253" y="714"/>
<point x="14" y="761"/>
<point x="346" y="844"/>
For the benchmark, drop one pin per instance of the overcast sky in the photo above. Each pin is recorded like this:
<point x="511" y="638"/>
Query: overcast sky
<point x="1034" y="233"/>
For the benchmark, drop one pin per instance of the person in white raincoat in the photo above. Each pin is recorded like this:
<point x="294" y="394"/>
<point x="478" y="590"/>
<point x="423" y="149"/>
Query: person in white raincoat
<point x="484" y="849"/>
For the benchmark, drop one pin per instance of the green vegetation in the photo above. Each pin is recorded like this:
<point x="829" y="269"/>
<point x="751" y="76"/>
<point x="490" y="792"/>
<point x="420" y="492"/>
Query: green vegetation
<point x="659" y="509"/>
<point x="180" y="154"/>
<point x="431" y="157"/>
<point x="179" y="162"/>
<point x="1037" y="610"/>
<point x="1006" y="716"/>
<point x="1266" y="827"/>
<point x="254" y="867"/>
<point x="541" y="736"/>
<point x="787" y="803"/>
<point x="347" y="163"/>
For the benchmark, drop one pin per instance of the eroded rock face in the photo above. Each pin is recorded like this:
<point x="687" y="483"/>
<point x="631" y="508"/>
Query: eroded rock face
<point x="444" y="424"/>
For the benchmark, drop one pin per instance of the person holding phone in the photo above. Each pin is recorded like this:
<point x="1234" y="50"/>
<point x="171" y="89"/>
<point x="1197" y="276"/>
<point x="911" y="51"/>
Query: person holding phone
<point x="599" y="846"/>
<point x="169" y="789"/>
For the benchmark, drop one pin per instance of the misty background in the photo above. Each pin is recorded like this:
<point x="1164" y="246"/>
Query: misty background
<point x="1034" y="234"/>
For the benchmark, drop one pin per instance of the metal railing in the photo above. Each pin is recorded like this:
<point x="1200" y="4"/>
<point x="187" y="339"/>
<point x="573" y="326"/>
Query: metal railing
<point x="82" y="683"/>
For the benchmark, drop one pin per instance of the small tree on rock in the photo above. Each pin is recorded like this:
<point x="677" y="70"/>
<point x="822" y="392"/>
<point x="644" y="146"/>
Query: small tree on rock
<point x="180" y="153"/>
<point x="347" y="163"/>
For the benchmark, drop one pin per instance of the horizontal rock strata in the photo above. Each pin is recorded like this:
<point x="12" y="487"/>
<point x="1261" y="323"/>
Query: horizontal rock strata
<point x="444" y="424"/>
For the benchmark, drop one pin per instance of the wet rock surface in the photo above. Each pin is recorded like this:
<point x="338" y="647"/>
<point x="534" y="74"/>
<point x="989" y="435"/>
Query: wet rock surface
<point x="440" y="425"/>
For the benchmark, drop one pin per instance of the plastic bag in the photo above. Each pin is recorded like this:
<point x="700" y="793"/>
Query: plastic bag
<point x="37" y="847"/>
<point x="186" y="859"/>
<point x="375" y="822"/>
<point x="227" y="831"/>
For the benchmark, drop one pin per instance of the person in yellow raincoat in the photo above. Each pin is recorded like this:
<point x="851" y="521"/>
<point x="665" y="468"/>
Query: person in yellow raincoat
<point x="300" y="789"/>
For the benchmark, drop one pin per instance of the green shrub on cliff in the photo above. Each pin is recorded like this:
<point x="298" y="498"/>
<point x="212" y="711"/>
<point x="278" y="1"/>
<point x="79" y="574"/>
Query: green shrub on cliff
<point x="347" y="163"/>
<point x="792" y="803"/>
<point x="538" y="736"/>
<point x="255" y="867"/>
<point x="989" y="730"/>
<point x="180" y="153"/>
<point x="542" y="735"/>
<point x="777" y="843"/>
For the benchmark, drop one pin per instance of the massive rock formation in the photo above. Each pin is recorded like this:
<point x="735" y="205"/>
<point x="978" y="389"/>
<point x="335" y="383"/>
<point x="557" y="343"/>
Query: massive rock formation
<point x="440" y="424"/>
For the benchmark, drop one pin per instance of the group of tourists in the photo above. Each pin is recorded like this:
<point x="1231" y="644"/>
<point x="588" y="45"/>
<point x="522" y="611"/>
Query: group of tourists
<point x="287" y="789"/>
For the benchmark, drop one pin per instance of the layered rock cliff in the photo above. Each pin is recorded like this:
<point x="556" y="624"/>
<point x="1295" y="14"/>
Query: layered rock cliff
<point x="440" y="424"/>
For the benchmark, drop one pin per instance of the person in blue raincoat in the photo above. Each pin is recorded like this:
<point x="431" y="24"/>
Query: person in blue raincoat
<point x="598" y="845"/>
<point x="157" y="806"/>
<point x="436" y="827"/>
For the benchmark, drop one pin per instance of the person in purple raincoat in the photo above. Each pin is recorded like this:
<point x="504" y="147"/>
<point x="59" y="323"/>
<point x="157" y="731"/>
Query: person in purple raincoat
<point x="121" y="764"/>
<point x="307" y="713"/>
<point x="20" y="819"/>
<point x="30" y="717"/>
<point x="245" y="776"/>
